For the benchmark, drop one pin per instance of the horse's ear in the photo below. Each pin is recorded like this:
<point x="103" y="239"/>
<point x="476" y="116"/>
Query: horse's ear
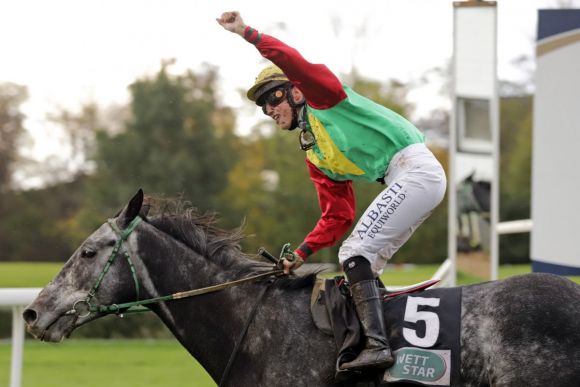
<point x="132" y="210"/>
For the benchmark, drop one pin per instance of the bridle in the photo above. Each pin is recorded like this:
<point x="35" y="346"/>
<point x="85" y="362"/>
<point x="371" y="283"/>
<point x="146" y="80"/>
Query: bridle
<point x="123" y="235"/>
<point x="138" y="304"/>
<point x="113" y="308"/>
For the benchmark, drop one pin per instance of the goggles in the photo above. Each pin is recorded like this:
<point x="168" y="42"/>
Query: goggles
<point x="274" y="98"/>
<point x="306" y="139"/>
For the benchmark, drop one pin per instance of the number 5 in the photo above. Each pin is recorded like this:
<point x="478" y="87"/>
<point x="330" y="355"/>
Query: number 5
<point x="431" y="321"/>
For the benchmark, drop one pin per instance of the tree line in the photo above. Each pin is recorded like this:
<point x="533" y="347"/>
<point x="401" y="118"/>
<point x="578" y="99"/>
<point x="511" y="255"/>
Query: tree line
<point x="175" y="138"/>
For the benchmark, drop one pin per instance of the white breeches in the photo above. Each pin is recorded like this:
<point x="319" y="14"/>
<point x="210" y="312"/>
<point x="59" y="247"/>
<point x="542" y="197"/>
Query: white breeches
<point x="416" y="184"/>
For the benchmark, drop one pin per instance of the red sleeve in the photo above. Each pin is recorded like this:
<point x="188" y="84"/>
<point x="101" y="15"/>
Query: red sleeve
<point x="321" y="88"/>
<point x="337" y="204"/>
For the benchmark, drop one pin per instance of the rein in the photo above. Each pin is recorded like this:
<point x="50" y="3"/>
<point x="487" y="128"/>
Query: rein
<point x="116" y="308"/>
<point x="226" y="373"/>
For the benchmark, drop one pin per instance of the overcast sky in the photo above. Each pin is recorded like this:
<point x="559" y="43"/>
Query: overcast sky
<point x="69" y="52"/>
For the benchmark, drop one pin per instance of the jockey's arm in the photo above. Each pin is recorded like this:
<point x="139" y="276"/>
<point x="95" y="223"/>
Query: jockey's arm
<point x="321" y="88"/>
<point x="337" y="205"/>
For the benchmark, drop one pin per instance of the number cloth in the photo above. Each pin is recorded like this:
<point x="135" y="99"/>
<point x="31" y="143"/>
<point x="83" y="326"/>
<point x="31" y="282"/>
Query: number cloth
<point x="424" y="332"/>
<point x="423" y="328"/>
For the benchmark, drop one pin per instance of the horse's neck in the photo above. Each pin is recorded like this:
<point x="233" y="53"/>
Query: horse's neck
<point x="199" y="323"/>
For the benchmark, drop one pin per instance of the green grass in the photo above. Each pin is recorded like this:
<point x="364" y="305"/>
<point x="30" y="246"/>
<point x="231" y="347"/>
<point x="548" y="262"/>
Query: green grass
<point x="401" y="275"/>
<point x="16" y="274"/>
<point x="27" y="274"/>
<point x="110" y="363"/>
<point x="20" y="274"/>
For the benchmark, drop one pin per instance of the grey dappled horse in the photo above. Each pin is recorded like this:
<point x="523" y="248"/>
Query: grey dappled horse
<point x="523" y="331"/>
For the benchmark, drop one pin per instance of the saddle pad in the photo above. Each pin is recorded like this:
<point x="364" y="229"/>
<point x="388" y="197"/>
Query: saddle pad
<point x="423" y="329"/>
<point x="424" y="333"/>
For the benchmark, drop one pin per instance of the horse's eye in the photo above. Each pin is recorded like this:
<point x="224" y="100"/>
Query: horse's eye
<point x="87" y="253"/>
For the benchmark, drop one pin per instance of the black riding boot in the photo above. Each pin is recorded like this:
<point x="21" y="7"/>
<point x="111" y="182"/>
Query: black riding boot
<point x="377" y="352"/>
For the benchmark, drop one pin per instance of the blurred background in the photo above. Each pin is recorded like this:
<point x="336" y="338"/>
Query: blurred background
<point x="101" y="98"/>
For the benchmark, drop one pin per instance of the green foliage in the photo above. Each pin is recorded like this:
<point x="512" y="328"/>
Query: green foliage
<point x="178" y="142"/>
<point x="36" y="223"/>
<point x="515" y="176"/>
<point x="392" y="94"/>
<point x="271" y="189"/>
<point x="11" y="130"/>
<point x="11" y="133"/>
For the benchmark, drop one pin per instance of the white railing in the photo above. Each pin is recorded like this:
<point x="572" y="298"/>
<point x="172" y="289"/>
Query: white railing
<point x="17" y="299"/>
<point x="445" y="274"/>
<point x="503" y="228"/>
<point x="514" y="226"/>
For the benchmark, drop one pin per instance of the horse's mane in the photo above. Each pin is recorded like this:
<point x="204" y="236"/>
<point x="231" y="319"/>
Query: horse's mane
<point x="199" y="231"/>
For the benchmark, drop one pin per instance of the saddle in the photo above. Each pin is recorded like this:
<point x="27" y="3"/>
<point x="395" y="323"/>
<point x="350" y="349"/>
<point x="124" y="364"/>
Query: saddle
<point x="322" y="312"/>
<point x="423" y="326"/>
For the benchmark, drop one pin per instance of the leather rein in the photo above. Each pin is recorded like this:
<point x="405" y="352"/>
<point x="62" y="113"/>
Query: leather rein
<point x="138" y="304"/>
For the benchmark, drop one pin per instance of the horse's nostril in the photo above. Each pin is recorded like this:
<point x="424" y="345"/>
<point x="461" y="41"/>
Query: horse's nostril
<point x="29" y="316"/>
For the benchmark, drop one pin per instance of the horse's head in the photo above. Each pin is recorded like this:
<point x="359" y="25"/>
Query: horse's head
<point x="98" y="273"/>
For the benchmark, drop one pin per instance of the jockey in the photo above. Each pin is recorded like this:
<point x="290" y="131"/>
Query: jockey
<point x="348" y="137"/>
